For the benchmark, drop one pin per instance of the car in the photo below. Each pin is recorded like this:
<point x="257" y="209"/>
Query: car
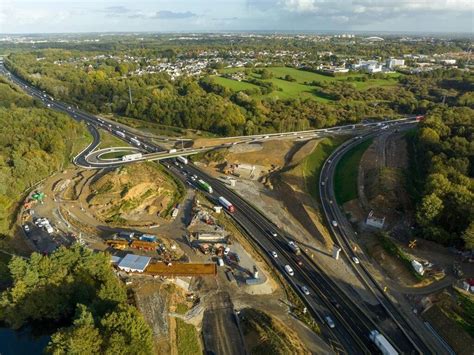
<point x="323" y="183"/>
<point x="226" y="251"/>
<point x="274" y="254"/>
<point x="334" y="223"/>
<point x="329" y="161"/>
<point x="329" y="322"/>
<point x="289" y="270"/>
<point x="299" y="261"/>
<point x="355" y="260"/>
<point x="305" y="290"/>
<point x="26" y="228"/>
<point x="273" y="234"/>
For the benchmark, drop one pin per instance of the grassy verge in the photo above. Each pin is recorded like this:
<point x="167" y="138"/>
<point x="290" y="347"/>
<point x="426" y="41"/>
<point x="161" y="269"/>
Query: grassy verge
<point x="271" y="336"/>
<point x="187" y="337"/>
<point x="80" y="142"/>
<point x="464" y="313"/>
<point x="310" y="167"/>
<point x="113" y="155"/>
<point x="107" y="140"/>
<point x="345" y="178"/>
<point x="393" y="249"/>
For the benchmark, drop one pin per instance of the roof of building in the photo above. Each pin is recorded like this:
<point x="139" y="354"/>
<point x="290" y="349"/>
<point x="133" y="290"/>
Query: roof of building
<point x="115" y="259"/>
<point x="134" y="262"/>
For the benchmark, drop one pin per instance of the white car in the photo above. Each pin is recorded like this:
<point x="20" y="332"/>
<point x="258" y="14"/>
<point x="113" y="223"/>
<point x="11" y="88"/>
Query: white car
<point x="305" y="290"/>
<point x="274" y="254"/>
<point x="355" y="260"/>
<point x="226" y="251"/>
<point x="289" y="270"/>
<point x="329" y="322"/>
<point x="26" y="228"/>
<point x="334" y="223"/>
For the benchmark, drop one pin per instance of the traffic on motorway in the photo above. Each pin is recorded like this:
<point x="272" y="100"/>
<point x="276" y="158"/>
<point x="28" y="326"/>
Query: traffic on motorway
<point x="349" y="326"/>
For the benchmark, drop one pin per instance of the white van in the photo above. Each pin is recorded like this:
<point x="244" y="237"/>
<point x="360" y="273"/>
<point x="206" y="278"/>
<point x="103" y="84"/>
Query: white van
<point x="289" y="270"/>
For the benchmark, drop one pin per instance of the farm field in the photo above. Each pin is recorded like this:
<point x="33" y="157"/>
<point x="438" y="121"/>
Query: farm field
<point x="300" y="87"/>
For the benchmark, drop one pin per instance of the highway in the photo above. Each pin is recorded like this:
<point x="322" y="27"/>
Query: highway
<point x="395" y="325"/>
<point x="353" y="322"/>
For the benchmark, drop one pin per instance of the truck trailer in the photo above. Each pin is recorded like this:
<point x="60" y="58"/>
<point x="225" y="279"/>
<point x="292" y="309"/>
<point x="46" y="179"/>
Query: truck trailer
<point x="382" y="343"/>
<point x="130" y="157"/>
<point x="294" y="248"/>
<point x="204" y="186"/>
<point x="120" y="134"/>
<point x="182" y="159"/>
<point x="226" y="204"/>
<point x="135" y="141"/>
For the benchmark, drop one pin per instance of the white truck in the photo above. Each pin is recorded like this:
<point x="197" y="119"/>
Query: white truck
<point x="120" y="134"/>
<point x="382" y="343"/>
<point x="172" y="151"/>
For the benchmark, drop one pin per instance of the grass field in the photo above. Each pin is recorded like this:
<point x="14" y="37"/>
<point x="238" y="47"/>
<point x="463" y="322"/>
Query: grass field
<point x="345" y="179"/>
<point x="298" y="88"/>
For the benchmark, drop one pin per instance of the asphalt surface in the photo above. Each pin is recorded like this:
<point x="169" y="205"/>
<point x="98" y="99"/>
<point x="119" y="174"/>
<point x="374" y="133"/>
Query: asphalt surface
<point x="352" y="323"/>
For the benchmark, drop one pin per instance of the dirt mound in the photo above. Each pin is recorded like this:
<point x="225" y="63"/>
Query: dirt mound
<point x="137" y="192"/>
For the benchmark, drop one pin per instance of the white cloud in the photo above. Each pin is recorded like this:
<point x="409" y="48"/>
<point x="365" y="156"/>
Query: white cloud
<point x="359" y="6"/>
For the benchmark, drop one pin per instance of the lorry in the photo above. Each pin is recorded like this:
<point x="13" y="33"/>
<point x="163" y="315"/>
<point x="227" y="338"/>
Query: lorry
<point x="135" y="141"/>
<point x="148" y="238"/>
<point x="130" y="157"/>
<point x="382" y="343"/>
<point x="294" y="248"/>
<point x="182" y="159"/>
<point x="120" y="134"/>
<point x="204" y="186"/>
<point x="226" y="204"/>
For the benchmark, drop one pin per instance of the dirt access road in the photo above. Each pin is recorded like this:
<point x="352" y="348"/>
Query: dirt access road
<point x="221" y="331"/>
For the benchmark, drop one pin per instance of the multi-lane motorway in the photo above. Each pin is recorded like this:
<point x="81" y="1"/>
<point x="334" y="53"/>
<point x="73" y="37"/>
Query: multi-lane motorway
<point x="353" y="321"/>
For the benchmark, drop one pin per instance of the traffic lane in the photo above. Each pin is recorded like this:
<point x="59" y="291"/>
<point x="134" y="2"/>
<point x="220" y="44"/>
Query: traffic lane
<point x="262" y="230"/>
<point x="266" y="243"/>
<point x="387" y="323"/>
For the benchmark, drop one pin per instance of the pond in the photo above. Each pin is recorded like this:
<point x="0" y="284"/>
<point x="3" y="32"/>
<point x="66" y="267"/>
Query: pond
<point x="23" y="341"/>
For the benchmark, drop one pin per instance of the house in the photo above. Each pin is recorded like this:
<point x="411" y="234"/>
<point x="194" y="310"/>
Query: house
<point x="375" y="221"/>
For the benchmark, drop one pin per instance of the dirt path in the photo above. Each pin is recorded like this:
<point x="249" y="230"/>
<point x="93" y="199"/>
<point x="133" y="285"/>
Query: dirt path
<point x="221" y="332"/>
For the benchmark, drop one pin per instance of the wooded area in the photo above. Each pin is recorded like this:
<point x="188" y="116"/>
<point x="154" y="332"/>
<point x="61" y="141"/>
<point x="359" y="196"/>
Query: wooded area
<point x="34" y="142"/>
<point x="445" y="147"/>
<point x="77" y="289"/>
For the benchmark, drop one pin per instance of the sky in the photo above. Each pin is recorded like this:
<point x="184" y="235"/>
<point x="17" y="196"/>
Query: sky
<point x="59" y="16"/>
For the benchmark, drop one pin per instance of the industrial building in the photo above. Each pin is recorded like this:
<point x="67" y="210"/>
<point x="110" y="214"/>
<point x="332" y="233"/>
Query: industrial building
<point x="134" y="263"/>
<point x="393" y="63"/>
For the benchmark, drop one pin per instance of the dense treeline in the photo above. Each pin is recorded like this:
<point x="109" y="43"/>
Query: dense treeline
<point x="445" y="145"/>
<point x="75" y="288"/>
<point x="103" y="86"/>
<point x="32" y="146"/>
